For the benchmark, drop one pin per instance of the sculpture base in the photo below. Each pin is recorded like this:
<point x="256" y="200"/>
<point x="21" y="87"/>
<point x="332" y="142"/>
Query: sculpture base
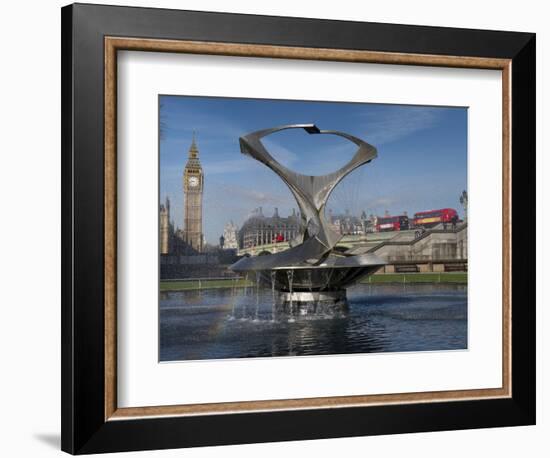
<point x="312" y="302"/>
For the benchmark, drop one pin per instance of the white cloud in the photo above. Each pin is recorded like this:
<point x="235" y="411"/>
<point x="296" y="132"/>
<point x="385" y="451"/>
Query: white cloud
<point x="388" y="126"/>
<point x="279" y="152"/>
<point x="236" y="165"/>
<point x="252" y="197"/>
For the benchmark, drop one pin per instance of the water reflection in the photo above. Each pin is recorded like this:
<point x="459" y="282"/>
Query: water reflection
<point x="240" y="322"/>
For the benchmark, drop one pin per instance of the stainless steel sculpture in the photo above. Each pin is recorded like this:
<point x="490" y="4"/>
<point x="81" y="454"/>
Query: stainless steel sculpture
<point x="310" y="273"/>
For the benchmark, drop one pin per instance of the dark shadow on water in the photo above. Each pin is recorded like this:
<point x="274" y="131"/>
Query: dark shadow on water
<point x="51" y="439"/>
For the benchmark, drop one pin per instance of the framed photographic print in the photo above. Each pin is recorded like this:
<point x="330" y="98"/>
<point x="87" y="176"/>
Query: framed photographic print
<point x="281" y="228"/>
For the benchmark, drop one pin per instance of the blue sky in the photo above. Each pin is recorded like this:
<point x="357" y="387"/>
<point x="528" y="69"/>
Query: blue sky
<point x="421" y="163"/>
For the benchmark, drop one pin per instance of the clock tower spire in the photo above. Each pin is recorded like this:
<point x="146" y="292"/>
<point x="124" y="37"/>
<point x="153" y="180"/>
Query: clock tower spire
<point x="193" y="185"/>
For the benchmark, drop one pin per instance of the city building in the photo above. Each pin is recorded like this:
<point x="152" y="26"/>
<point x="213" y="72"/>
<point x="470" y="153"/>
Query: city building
<point x="346" y="224"/>
<point x="193" y="187"/>
<point x="259" y="229"/>
<point x="165" y="229"/>
<point x="190" y="239"/>
<point x="368" y="222"/>
<point x="230" y="236"/>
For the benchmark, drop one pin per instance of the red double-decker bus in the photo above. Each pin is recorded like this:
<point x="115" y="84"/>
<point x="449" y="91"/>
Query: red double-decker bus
<point x="392" y="223"/>
<point x="432" y="218"/>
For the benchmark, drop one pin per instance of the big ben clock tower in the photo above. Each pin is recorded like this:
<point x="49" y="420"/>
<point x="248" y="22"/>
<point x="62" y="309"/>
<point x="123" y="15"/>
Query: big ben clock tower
<point x="193" y="184"/>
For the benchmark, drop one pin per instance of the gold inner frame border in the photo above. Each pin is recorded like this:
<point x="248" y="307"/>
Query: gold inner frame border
<point x="114" y="44"/>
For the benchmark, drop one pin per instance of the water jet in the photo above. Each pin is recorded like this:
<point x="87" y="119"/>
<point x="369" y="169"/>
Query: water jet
<point x="310" y="276"/>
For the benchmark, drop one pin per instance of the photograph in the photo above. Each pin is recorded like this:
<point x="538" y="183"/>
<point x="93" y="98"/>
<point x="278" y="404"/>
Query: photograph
<point x="280" y="224"/>
<point x="300" y="228"/>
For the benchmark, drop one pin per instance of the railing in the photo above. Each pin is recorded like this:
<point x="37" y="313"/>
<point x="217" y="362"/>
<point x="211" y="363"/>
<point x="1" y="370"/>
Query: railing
<point x="237" y="277"/>
<point x="207" y="282"/>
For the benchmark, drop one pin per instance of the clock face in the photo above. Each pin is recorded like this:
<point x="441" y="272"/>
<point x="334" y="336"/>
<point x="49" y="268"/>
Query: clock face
<point x="193" y="181"/>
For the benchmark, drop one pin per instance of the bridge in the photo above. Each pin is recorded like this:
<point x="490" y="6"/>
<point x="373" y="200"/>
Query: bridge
<point x="435" y="250"/>
<point x="347" y="242"/>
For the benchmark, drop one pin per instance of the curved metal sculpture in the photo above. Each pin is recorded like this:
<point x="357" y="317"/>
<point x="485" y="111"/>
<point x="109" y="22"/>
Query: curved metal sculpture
<point x="311" y="194"/>
<point x="311" y="255"/>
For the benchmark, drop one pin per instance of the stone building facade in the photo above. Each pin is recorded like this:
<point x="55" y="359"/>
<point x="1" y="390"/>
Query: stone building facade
<point x="259" y="229"/>
<point x="347" y="224"/>
<point x="190" y="239"/>
<point x="433" y="245"/>
<point x="230" y="236"/>
<point x="193" y="188"/>
<point x="165" y="229"/>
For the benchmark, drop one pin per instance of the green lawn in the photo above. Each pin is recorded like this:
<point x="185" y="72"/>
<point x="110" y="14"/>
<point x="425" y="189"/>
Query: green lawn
<point x="443" y="277"/>
<point x="203" y="284"/>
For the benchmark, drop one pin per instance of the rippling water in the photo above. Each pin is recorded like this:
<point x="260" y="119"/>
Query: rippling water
<point x="223" y="323"/>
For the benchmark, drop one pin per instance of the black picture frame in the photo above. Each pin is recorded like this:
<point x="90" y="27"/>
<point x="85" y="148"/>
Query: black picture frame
<point x="84" y="427"/>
